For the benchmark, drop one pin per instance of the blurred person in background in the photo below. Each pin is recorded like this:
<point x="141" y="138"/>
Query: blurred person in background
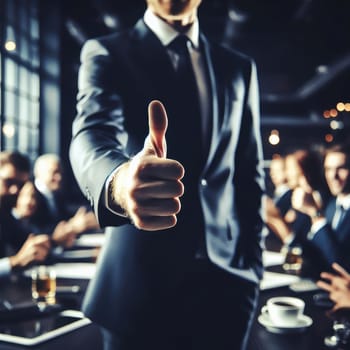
<point x="305" y="173"/>
<point x="14" y="173"/>
<point x="52" y="201"/>
<point x="284" y="223"/>
<point x="330" y="230"/>
<point x="26" y="212"/>
<point x="278" y="202"/>
<point x="282" y="192"/>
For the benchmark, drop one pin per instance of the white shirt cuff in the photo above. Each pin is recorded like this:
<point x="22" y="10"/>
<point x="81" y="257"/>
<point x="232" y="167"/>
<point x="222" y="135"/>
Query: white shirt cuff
<point x="316" y="227"/>
<point x="5" y="267"/>
<point x="116" y="209"/>
<point x="289" y="239"/>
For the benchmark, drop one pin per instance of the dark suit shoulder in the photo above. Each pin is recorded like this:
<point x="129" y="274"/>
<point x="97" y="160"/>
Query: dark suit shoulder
<point x="106" y="45"/>
<point x="231" y="55"/>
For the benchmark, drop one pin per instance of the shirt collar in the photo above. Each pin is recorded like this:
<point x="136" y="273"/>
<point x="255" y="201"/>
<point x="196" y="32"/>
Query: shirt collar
<point x="281" y="189"/>
<point x="42" y="188"/>
<point x="344" y="202"/>
<point x="166" y="33"/>
<point x="15" y="213"/>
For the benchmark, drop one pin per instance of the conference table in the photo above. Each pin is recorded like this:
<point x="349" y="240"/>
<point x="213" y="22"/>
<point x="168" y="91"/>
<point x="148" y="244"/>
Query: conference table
<point x="18" y="290"/>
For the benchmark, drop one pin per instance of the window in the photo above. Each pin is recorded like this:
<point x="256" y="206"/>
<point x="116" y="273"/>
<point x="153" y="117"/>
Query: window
<point x="19" y="76"/>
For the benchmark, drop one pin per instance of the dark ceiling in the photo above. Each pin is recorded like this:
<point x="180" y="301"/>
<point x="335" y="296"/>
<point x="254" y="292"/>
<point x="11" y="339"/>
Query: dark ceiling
<point x="301" y="47"/>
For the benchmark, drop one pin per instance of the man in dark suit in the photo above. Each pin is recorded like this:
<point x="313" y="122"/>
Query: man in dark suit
<point x="52" y="200"/>
<point x="17" y="250"/>
<point x="182" y="261"/>
<point x="282" y="192"/>
<point x="330" y="230"/>
<point x="53" y="204"/>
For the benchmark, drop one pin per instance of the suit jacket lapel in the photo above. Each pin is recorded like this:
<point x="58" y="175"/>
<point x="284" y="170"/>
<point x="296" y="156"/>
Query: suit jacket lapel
<point x="343" y="229"/>
<point x="214" y="119"/>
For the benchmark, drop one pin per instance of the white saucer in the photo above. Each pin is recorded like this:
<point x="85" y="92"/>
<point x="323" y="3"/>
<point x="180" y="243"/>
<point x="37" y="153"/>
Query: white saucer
<point x="303" y="323"/>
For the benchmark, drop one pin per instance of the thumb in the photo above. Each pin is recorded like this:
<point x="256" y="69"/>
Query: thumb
<point x="158" y="123"/>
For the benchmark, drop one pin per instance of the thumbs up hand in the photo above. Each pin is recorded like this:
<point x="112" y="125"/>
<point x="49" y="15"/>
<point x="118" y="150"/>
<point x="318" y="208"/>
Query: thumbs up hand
<point x="148" y="187"/>
<point x="155" y="142"/>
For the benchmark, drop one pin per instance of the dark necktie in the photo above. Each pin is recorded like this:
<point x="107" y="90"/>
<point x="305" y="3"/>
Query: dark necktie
<point x="338" y="216"/>
<point x="183" y="66"/>
<point x="187" y="94"/>
<point x="188" y="135"/>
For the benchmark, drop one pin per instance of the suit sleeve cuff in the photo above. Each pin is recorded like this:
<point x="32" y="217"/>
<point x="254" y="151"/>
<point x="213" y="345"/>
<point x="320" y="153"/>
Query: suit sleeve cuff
<point x="109" y="203"/>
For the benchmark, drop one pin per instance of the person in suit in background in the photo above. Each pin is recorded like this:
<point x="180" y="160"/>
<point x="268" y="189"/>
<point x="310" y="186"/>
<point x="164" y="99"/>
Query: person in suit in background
<point x="282" y="192"/>
<point x="302" y="169"/>
<point x="330" y="230"/>
<point x="48" y="181"/>
<point x="278" y="202"/>
<point x="52" y="202"/>
<point x="182" y="262"/>
<point x="26" y="212"/>
<point x="14" y="172"/>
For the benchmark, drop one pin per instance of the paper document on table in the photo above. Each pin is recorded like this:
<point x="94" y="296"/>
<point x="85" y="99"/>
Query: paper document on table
<point x="90" y="240"/>
<point x="75" y="270"/>
<point x="273" y="280"/>
<point x="71" y="270"/>
<point x="272" y="258"/>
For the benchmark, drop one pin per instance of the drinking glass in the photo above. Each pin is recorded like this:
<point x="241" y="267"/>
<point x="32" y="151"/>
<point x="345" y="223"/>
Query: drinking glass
<point x="44" y="284"/>
<point x="340" y="339"/>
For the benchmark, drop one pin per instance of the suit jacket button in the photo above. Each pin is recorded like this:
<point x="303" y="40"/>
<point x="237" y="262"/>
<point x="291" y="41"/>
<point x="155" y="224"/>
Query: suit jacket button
<point x="204" y="182"/>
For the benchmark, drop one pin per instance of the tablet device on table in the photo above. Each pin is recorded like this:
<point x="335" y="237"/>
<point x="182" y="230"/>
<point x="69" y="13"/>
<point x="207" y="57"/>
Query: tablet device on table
<point x="37" y="330"/>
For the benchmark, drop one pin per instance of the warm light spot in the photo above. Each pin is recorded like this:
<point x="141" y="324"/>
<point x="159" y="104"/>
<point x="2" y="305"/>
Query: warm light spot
<point x="329" y="138"/>
<point x="326" y="114"/>
<point x="333" y="112"/>
<point x="347" y="107"/>
<point x="274" y="138"/>
<point x="8" y="130"/>
<point x="10" y="45"/>
<point x="340" y="106"/>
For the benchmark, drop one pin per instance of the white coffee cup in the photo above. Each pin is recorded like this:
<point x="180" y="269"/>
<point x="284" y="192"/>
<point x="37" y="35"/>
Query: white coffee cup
<point x="284" y="311"/>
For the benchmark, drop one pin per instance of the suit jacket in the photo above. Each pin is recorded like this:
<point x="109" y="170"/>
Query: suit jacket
<point x="137" y="271"/>
<point x="283" y="202"/>
<point x="44" y="218"/>
<point x="334" y="245"/>
<point x="13" y="234"/>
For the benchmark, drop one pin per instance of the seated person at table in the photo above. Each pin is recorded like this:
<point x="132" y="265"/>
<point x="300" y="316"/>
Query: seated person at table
<point x="282" y="192"/>
<point x="330" y="230"/>
<point x="14" y="172"/>
<point x="279" y="202"/>
<point x="337" y="285"/>
<point x="303" y="169"/>
<point x="304" y="173"/>
<point x="53" y="204"/>
<point x="26" y="210"/>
